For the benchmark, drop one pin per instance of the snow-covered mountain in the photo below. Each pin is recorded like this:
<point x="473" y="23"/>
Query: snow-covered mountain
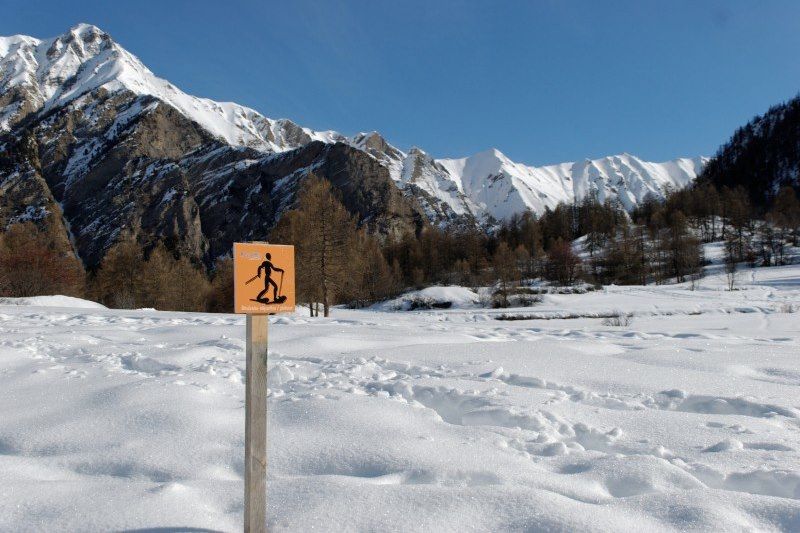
<point x="500" y="187"/>
<point x="121" y="150"/>
<point x="57" y="71"/>
<point x="491" y="187"/>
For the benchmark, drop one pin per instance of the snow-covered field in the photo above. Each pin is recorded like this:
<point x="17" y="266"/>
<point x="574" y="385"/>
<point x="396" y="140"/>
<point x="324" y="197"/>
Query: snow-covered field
<point x="444" y="420"/>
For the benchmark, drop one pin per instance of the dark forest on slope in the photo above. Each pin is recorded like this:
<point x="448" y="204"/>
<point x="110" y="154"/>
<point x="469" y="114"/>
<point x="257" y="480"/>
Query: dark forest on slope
<point x="762" y="156"/>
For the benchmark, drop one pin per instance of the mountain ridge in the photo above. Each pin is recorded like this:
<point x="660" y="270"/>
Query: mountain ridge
<point x="67" y="55"/>
<point x="126" y="152"/>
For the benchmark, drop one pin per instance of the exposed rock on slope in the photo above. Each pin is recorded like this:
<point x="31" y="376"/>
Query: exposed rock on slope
<point x="25" y="195"/>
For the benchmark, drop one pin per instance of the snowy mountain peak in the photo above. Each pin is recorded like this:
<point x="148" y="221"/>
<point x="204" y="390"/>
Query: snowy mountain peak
<point x="85" y="39"/>
<point x="83" y="28"/>
<point x="371" y="141"/>
<point x="55" y="72"/>
<point x="491" y="153"/>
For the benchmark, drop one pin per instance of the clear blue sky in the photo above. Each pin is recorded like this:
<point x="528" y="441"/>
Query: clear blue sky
<point x="544" y="82"/>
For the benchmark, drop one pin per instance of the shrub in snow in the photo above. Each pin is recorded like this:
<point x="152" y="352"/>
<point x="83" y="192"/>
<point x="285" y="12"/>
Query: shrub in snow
<point x="572" y="290"/>
<point x="525" y="300"/>
<point x="618" y="319"/>
<point x="499" y="300"/>
<point x="788" y="308"/>
<point x="422" y="302"/>
<point x="528" y="290"/>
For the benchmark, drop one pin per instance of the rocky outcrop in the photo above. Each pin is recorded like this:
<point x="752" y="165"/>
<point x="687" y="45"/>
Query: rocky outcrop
<point x="242" y="197"/>
<point x="25" y="195"/>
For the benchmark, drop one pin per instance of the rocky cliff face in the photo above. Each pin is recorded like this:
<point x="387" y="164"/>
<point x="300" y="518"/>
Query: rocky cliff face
<point x="122" y="164"/>
<point x="110" y="160"/>
<point x="25" y="195"/>
<point x="94" y="146"/>
<point x="241" y="194"/>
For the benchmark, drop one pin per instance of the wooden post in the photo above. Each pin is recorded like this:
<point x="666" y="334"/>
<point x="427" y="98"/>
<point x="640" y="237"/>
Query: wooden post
<point x="255" y="426"/>
<point x="251" y="261"/>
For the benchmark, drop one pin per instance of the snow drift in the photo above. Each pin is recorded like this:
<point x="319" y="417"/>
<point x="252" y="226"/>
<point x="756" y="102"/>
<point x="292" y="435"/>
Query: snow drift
<point x="439" y="420"/>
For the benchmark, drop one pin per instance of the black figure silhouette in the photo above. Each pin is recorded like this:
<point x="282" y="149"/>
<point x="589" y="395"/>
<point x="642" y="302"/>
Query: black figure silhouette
<point x="268" y="268"/>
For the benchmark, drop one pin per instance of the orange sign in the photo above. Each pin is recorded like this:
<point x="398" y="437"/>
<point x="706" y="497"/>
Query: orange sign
<point x="263" y="278"/>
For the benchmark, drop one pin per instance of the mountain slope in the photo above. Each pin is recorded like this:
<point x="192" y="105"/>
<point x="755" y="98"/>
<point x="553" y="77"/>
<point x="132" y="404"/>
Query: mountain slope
<point x="762" y="156"/>
<point x="122" y="164"/>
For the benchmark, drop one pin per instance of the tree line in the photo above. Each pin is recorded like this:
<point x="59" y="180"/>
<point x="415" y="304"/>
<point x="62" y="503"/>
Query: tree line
<point x="338" y="262"/>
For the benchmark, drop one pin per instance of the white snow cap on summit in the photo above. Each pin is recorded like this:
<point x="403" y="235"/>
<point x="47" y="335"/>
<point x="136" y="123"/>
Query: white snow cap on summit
<point x="85" y="58"/>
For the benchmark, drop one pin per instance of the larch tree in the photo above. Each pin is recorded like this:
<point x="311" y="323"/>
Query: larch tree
<point x="786" y="214"/>
<point x="730" y="260"/>
<point x="324" y="235"/>
<point x="563" y="265"/>
<point x="504" y="266"/>
<point x="377" y="279"/>
<point x="118" y="283"/>
<point x="291" y="229"/>
<point x="173" y="284"/>
<point x="221" y="294"/>
<point x="33" y="264"/>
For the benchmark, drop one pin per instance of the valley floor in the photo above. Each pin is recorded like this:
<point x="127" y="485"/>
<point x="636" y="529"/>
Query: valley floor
<point x="688" y="418"/>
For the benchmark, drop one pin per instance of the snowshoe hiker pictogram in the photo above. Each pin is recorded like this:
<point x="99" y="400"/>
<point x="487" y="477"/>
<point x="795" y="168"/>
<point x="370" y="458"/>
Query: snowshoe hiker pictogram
<point x="268" y="269"/>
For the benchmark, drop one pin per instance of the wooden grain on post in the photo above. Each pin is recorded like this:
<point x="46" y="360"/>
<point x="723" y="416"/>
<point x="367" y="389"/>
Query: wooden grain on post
<point x="255" y="451"/>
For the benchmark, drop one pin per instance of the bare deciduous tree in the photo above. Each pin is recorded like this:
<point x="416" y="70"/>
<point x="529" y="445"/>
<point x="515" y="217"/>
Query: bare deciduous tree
<point x="118" y="281"/>
<point x="563" y="264"/>
<point x="730" y="260"/>
<point x="32" y="264"/>
<point x="324" y="235"/>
